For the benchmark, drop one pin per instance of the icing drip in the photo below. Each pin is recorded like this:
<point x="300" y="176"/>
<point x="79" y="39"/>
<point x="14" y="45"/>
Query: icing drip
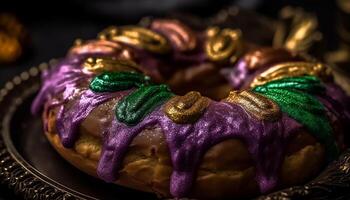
<point x="62" y="79"/>
<point x="116" y="81"/>
<point x="293" y="96"/>
<point x="132" y="108"/>
<point x="68" y="120"/>
<point x="188" y="143"/>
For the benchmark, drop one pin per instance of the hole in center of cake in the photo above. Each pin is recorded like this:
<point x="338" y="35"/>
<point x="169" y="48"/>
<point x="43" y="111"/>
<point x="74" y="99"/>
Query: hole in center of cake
<point x="206" y="78"/>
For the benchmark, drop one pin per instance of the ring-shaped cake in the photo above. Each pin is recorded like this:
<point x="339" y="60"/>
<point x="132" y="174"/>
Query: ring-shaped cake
<point x="192" y="113"/>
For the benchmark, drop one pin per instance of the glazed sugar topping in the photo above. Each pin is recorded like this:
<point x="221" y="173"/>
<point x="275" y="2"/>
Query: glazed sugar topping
<point x="264" y="117"/>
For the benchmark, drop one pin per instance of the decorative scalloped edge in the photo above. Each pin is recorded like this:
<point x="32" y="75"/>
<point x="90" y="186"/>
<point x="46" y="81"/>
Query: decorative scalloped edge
<point x="332" y="183"/>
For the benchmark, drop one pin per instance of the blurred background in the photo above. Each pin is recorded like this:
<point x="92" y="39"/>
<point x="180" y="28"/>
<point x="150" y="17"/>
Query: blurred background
<point x="32" y="32"/>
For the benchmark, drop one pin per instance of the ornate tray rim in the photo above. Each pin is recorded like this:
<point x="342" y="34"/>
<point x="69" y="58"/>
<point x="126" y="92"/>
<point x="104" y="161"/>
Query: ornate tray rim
<point x="15" y="171"/>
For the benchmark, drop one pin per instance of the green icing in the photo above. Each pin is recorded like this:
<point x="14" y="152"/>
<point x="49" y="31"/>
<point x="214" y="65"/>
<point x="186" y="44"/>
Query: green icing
<point x="309" y="84"/>
<point x="134" y="107"/>
<point x="293" y="95"/>
<point x="117" y="81"/>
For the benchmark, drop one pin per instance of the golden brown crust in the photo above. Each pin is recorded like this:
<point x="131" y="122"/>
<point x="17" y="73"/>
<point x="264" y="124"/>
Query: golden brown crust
<point x="147" y="165"/>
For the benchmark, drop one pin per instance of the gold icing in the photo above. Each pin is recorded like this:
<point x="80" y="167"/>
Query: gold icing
<point x="182" y="37"/>
<point x="300" y="34"/>
<point x="223" y="45"/>
<point x="99" y="47"/>
<point x="187" y="108"/>
<point x="267" y="56"/>
<point x="107" y="64"/>
<point x="137" y="36"/>
<point x="256" y="104"/>
<point x="291" y="69"/>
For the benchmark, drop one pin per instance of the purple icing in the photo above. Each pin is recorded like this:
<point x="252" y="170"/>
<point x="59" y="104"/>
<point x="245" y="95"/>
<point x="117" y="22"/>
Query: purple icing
<point x="187" y="142"/>
<point x="238" y="74"/>
<point x="68" y="120"/>
<point x="61" y="79"/>
<point x="241" y="76"/>
<point x="337" y="103"/>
